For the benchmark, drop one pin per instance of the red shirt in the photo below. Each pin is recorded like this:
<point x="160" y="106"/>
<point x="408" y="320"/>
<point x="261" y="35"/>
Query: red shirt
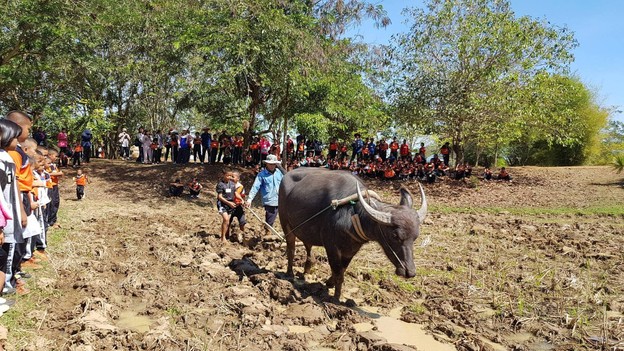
<point x="404" y="150"/>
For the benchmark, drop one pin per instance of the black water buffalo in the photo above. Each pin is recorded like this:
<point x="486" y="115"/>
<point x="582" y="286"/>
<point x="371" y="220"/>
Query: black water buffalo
<point x="306" y="212"/>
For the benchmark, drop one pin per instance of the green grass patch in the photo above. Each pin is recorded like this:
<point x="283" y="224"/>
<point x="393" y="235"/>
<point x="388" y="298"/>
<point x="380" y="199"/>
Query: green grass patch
<point x="417" y="309"/>
<point x="609" y="210"/>
<point x="376" y="276"/>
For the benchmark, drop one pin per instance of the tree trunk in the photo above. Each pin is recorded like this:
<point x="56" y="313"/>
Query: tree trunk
<point x="284" y="143"/>
<point x="253" y="110"/>
<point x="495" y="155"/>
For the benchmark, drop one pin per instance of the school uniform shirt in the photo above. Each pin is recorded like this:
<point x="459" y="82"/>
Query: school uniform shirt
<point x="54" y="179"/>
<point x="42" y="191"/>
<point x="240" y="190"/>
<point x="23" y="171"/>
<point x="81" y="180"/>
<point x="226" y="189"/>
<point x="267" y="184"/>
<point x="10" y="198"/>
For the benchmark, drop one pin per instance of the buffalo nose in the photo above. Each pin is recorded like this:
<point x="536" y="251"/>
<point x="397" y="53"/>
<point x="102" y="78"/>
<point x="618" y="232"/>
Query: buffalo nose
<point x="402" y="272"/>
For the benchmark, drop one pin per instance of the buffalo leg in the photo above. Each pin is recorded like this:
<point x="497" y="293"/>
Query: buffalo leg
<point x="338" y="266"/>
<point x="290" y="252"/>
<point x="340" y="277"/>
<point x="309" y="260"/>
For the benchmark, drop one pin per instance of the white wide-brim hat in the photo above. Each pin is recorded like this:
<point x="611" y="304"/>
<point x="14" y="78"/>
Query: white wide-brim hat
<point x="272" y="160"/>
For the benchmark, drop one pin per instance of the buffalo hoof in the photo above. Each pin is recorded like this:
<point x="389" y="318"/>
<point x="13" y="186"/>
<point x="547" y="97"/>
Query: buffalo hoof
<point x="330" y="283"/>
<point x="331" y="299"/>
<point x="350" y="303"/>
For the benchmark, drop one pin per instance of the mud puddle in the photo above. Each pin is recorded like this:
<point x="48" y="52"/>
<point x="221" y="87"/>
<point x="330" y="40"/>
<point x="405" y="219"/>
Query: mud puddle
<point x="133" y="321"/>
<point x="395" y="331"/>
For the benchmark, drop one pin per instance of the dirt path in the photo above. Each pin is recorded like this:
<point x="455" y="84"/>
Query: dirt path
<point x="535" y="264"/>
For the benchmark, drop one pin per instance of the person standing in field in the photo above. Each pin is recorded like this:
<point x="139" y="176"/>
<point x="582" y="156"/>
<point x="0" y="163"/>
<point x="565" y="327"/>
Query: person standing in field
<point x="85" y="141"/>
<point x="206" y="139"/>
<point x="405" y="151"/>
<point x="267" y="183"/>
<point x="62" y="141"/>
<point x="124" y="144"/>
<point x="81" y="181"/>
<point x="225" y="202"/>
<point x="445" y="150"/>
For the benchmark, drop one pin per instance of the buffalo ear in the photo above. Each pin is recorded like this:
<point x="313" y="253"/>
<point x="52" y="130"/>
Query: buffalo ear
<point x="406" y="198"/>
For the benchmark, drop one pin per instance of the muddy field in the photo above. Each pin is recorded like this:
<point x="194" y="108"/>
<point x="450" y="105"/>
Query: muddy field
<point x="535" y="264"/>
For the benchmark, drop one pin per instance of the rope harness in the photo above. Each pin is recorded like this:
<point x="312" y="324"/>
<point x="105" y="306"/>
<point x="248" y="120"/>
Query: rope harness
<point x="334" y="205"/>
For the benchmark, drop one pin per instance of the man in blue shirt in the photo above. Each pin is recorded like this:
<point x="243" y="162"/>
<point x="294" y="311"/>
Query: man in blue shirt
<point x="267" y="183"/>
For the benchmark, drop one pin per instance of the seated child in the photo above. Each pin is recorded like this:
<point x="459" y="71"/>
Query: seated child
<point x="487" y="174"/>
<point x="430" y="174"/>
<point x="176" y="188"/>
<point x="468" y="170"/>
<point x="194" y="188"/>
<point x="389" y="173"/>
<point x="460" y="171"/>
<point x="504" y="175"/>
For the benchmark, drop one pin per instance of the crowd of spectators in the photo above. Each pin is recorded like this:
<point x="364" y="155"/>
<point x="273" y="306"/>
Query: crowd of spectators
<point x="383" y="159"/>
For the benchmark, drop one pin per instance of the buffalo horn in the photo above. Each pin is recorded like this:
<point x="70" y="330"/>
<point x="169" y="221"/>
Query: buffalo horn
<point x="422" y="212"/>
<point x="381" y="217"/>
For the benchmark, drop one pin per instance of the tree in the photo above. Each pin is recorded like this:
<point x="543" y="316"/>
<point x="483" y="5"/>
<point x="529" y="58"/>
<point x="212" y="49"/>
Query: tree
<point x="462" y="61"/>
<point x="561" y="124"/>
<point x="112" y="64"/>
<point x="612" y="143"/>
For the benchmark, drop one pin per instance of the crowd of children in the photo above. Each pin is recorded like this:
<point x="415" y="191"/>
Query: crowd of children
<point x="381" y="159"/>
<point x="400" y="169"/>
<point x="29" y="203"/>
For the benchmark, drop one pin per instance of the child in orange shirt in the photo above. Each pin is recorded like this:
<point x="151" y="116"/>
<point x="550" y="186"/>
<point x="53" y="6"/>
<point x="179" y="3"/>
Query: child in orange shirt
<point x="77" y="155"/>
<point x="81" y="180"/>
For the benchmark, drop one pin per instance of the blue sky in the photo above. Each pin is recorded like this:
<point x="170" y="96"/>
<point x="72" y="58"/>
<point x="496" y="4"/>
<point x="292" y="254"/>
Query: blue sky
<point x="598" y="28"/>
